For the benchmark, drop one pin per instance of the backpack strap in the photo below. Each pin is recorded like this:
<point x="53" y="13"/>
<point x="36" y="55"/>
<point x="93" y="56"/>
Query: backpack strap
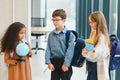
<point x="67" y="36"/>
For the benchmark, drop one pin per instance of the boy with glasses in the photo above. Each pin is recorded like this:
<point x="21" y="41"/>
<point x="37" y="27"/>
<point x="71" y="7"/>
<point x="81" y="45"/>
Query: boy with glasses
<point x="58" y="56"/>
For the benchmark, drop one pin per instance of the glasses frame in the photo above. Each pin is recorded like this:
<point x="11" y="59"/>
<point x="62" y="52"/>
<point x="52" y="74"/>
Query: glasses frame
<point x="56" y="20"/>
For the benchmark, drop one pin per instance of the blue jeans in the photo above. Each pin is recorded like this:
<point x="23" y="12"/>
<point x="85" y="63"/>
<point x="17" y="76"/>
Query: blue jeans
<point x="92" y="70"/>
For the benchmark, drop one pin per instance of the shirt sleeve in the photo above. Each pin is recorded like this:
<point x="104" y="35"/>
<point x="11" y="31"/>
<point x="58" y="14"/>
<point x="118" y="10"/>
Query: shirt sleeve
<point x="47" y="53"/>
<point x="7" y="59"/>
<point x="70" y="50"/>
<point x="100" y="51"/>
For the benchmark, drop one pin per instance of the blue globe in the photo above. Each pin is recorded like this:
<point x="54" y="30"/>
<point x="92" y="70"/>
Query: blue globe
<point x="22" y="49"/>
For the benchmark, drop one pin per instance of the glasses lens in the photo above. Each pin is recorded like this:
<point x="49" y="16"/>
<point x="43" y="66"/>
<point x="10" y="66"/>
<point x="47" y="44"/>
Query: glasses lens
<point x="56" y="19"/>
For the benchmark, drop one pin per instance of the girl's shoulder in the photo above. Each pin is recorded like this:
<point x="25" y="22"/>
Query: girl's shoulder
<point x="102" y="37"/>
<point x="6" y="50"/>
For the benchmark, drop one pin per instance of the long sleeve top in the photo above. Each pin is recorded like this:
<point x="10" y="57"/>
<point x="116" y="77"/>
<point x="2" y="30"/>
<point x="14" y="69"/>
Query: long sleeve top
<point x="56" y="47"/>
<point x="18" y="70"/>
<point x="101" y="55"/>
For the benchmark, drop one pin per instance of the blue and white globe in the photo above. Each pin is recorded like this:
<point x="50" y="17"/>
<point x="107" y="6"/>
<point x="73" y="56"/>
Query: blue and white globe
<point x="22" y="49"/>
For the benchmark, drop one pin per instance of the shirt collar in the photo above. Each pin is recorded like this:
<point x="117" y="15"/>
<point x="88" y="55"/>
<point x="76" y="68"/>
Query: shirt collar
<point x="63" y="31"/>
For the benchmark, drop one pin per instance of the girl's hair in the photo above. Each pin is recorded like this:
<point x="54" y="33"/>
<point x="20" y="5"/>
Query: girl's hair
<point x="101" y="26"/>
<point x="11" y="38"/>
<point x="59" y="12"/>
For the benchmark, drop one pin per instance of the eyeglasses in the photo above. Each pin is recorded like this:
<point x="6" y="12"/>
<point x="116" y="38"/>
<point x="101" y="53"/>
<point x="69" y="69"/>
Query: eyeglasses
<point x="56" y="19"/>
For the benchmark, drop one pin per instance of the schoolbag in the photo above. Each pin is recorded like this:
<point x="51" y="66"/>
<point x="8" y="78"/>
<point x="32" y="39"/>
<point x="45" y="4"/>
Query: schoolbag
<point x="78" y="59"/>
<point x="115" y="52"/>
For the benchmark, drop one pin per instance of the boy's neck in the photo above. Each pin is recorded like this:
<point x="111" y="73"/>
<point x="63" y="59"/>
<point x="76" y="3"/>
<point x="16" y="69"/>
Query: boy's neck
<point x="60" y="28"/>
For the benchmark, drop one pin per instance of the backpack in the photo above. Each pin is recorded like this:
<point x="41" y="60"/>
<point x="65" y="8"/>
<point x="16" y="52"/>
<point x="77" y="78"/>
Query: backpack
<point x="115" y="52"/>
<point x="78" y="59"/>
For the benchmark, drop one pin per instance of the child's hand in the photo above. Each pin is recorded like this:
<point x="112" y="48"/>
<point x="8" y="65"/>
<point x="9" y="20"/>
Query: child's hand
<point x="84" y="52"/>
<point x="28" y="44"/>
<point x="64" y="68"/>
<point x="51" y="67"/>
<point x="30" y="52"/>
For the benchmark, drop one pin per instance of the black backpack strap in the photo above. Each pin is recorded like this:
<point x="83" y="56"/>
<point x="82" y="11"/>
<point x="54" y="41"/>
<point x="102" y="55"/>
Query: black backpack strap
<point x="68" y="36"/>
<point x="75" y="33"/>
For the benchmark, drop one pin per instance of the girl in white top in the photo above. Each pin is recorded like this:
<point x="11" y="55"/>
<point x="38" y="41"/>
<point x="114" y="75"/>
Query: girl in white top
<point x="101" y="51"/>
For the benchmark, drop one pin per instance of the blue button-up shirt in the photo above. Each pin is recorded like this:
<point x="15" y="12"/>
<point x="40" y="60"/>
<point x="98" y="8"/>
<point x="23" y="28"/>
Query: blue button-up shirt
<point x="56" y="47"/>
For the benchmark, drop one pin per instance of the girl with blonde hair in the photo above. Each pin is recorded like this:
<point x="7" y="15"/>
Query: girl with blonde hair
<point x="100" y="55"/>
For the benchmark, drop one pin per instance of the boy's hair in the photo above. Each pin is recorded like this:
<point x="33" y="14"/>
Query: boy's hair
<point x="59" y="12"/>
<point x="10" y="38"/>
